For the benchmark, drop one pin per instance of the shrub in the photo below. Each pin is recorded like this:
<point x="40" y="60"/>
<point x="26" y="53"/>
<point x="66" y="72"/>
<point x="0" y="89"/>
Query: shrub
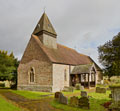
<point x="77" y="86"/>
<point x="2" y="84"/>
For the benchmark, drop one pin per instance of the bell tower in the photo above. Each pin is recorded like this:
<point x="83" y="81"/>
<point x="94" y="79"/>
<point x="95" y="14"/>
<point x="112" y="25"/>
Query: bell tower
<point x="46" y="33"/>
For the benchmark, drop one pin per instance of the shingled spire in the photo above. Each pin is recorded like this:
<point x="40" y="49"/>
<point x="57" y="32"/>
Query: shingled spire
<point x="44" y="26"/>
<point x="46" y="33"/>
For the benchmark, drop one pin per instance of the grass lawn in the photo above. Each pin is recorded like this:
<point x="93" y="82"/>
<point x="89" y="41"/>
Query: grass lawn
<point x="7" y="106"/>
<point x="95" y="102"/>
<point x="31" y="94"/>
<point x="96" y="99"/>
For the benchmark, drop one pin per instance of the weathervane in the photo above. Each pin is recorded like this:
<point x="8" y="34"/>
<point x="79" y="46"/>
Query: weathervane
<point x="44" y="9"/>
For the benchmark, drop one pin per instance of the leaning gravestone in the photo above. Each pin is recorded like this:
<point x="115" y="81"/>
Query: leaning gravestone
<point x="84" y="102"/>
<point x="84" y="94"/>
<point x="100" y="90"/>
<point x="63" y="99"/>
<point x="74" y="101"/>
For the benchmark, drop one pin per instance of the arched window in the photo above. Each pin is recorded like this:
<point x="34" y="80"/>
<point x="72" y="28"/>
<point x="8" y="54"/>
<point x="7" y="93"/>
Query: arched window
<point x="65" y="75"/>
<point x="32" y="79"/>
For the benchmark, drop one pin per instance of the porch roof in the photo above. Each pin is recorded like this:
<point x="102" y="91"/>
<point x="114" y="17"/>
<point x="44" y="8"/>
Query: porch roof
<point x="80" y="69"/>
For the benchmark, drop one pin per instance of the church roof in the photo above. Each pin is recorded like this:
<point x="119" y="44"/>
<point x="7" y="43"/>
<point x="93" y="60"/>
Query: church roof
<point x="80" y="69"/>
<point x="44" y="25"/>
<point x="64" y="55"/>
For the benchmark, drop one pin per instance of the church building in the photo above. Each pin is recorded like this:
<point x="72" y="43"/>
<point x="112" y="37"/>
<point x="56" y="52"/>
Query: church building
<point x="49" y="67"/>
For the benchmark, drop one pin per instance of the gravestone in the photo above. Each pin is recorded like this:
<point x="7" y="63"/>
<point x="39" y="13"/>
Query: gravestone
<point x="63" y="99"/>
<point x="74" y="101"/>
<point x="84" y="102"/>
<point x="110" y="95"/>
<point x="77" y="86"/>
<point x="115" y="90"/>
<point x="57" y="95"/>
<point x="100" y="90"/>
<point x="81" y="88"/>
<point x="83" y="94"/>
<point x="68" y="89"/>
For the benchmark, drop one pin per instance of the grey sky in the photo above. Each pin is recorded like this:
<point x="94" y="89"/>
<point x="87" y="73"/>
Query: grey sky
<point x="80" y="24"/>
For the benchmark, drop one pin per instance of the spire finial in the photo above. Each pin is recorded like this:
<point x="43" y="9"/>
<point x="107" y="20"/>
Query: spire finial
<point x="44" y="9"/>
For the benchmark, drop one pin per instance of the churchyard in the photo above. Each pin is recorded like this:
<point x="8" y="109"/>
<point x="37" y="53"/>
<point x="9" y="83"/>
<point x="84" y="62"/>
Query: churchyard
<point x="29" y="100"/>
<point x="71" y="99"/>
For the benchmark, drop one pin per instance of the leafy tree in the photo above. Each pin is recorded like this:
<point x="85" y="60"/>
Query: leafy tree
<point x="8" y="66"/>
<point x="109" y="56"/>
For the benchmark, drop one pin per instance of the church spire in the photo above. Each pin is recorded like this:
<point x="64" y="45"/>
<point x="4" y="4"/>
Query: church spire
<point x="44" y="26"/>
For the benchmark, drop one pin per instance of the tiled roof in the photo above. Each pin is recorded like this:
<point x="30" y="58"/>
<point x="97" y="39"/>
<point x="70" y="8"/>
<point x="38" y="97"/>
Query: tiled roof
<point x="80" y="69"/>
<point x="64" y="55"/>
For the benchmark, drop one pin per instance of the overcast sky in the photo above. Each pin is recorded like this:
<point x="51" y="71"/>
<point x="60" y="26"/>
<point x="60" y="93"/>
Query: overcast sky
<point x="80" y="24"/>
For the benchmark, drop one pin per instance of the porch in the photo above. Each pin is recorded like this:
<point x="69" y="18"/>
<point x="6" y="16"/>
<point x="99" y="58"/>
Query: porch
<point x="83" y="74"/>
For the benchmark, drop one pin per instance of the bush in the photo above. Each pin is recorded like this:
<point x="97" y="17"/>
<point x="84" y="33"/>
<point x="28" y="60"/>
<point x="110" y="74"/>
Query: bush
<point x="77" y="86"/>
<point x="2" y="84"/>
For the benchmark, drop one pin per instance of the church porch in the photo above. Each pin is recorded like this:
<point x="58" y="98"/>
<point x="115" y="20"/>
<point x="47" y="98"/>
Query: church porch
<point x="83" y="74"/>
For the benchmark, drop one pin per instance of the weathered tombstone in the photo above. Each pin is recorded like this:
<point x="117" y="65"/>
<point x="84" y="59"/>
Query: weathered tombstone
<point x="84" y="102"/>
<point x="103" y="90"/>
<point x="97" y="89"/>
<point x="82" y="88"/>
<point x="71" y="89"/>
<point x="100" y="90"/>
<point x="68" y="89"/>
<point x="110" y="95"/>
<point x="83" y="94"/>
<point x="115" y="90"/>
<point x="77" y="86"/>
<point x="74" y="101"/>
<point x="57" y="95"/>
<point x="63" y="99"/>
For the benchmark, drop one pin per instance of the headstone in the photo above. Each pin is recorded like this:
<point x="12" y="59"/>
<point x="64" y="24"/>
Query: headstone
<point x="83" y="94"/>
<point x="77" y="86"/>
<point x="110" y="95"/>
<point x="74" y="101"/>
<point x="81" y="88"/>
<point x="68" y="89"/>
<point x="84" y="102"/>
<point x="57" y="95"/>
<point x="63" y="99"/>
<point x="115" y="90"/>
<point x="100" y="90"/>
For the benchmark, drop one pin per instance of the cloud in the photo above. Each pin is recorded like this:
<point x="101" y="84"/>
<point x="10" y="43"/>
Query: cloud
<point x="84" y="24"/>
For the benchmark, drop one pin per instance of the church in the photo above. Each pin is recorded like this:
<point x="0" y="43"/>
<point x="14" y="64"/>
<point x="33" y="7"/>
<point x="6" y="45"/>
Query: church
<point x="49" y="67"/>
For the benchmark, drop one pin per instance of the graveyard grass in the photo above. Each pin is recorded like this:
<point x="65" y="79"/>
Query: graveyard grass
<point x="96" y="103"/>
<point x="96" y="100"/>
<point x="7" y="106"/>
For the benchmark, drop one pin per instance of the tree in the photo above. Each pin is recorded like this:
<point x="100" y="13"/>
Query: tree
<point x="109" y="56"/>
<point x="8" y="66"/>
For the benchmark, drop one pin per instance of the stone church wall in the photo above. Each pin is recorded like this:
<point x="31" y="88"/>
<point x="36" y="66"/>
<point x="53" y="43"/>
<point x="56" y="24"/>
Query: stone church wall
<point x="59" y="81"/>
<point x="35" y="58"/>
